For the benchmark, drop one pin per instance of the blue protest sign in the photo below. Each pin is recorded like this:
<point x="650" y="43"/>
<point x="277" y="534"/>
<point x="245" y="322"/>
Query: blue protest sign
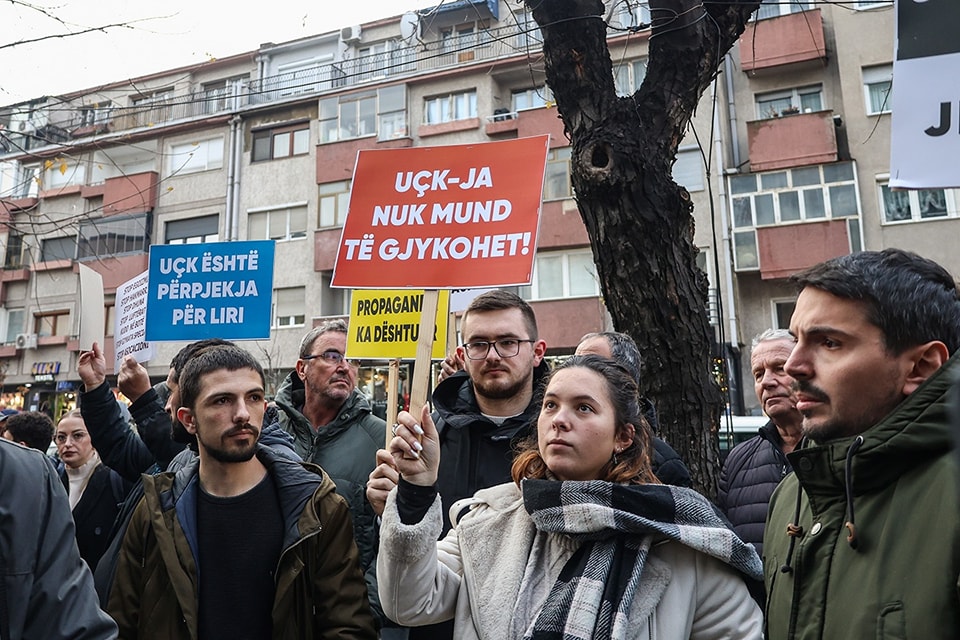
<point x="212" y="290"/>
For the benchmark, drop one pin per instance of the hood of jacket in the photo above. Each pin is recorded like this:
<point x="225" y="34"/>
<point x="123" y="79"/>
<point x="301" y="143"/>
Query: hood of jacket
<point x="291" y="397"/>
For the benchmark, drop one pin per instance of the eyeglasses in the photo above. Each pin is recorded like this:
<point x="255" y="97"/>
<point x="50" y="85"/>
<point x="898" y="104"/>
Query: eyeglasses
<point x="332" y="357"/>
<point x="61" y="438"/>
<point x="504" y="348"/>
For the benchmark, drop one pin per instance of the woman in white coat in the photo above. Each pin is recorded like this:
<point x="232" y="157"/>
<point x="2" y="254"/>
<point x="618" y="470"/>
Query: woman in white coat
<point x="585" y="544"/>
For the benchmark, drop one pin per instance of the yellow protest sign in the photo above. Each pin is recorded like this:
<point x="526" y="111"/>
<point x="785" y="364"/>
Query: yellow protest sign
<point x="386" y="324"/>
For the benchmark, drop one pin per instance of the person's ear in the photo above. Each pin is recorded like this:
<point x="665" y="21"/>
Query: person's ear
<point x="539" y="350"/>
<point x="301" y="369"/>
<point x="187" y="419"/>
<point x="625" y="437"/>
<point x="922" y="362"/>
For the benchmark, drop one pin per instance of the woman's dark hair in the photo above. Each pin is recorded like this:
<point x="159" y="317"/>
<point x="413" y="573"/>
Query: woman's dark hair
<point x="633" y="464"/>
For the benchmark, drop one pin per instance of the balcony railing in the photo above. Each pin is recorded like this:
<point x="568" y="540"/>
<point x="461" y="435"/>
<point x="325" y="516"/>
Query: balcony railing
<point x="482" y="46"/>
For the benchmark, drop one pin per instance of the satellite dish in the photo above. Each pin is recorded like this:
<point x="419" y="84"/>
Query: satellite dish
<point x="409" y="26"/>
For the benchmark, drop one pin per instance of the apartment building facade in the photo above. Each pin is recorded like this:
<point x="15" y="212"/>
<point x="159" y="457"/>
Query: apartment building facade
<point x="262" y="146"/>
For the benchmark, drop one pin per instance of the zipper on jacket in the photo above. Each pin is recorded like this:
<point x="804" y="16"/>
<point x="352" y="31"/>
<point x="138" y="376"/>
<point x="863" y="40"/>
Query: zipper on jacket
<point x="297" y="542"/>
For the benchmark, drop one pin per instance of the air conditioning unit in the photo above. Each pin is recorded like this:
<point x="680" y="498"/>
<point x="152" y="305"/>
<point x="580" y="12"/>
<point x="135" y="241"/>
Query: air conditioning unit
<point x="350" y="35"/>
<point x="26" y="341"/>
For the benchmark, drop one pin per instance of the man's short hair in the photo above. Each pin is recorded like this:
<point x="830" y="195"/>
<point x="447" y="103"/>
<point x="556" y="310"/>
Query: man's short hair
<point x="498" y="300"/>
<point x="623" y="350"/>
<point x="34" y="428"/>
<point x="215" y="358"/>
<point x="188" y="351"/>
<point x="306" y="343"/>
<point x="770" y="335"/>
<point x="911" y="299"/>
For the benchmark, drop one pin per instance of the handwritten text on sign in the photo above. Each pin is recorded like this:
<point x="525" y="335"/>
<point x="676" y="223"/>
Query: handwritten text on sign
<point x="220" y="289"/>
<point x="454" y="216"/>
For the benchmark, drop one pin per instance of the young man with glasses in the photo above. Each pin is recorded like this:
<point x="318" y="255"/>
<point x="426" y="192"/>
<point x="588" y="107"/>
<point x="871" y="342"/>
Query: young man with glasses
<point x="333" y="426"/>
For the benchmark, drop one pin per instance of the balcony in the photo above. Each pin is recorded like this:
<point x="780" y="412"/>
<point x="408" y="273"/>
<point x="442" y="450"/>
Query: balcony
<point x="787" y="40"/>
<point x="792" y="141"/>
<point x="787" y="249"/>
<point x="137" y="192"/>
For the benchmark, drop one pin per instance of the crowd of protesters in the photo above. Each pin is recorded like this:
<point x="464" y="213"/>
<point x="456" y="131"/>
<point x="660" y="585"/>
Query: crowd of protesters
<point x="522" y="502"/>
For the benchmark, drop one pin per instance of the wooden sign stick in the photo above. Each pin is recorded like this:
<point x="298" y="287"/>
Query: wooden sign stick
<point x="392" y="396"/>
<point x="421" y="366"/>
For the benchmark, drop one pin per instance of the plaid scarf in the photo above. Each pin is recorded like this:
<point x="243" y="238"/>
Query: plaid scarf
<point x="617" y="525"/>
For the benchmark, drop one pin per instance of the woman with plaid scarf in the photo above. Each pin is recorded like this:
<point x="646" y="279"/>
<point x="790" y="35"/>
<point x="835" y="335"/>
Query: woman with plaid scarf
<point x="585" y="544"/>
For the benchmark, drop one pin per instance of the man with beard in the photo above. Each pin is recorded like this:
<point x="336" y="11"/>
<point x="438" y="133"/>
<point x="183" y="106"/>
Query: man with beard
<point x="333" y="426"/>
<point x="271" y="538"/>
<point x="754" y="468"/>
<point x="863" y="539"/>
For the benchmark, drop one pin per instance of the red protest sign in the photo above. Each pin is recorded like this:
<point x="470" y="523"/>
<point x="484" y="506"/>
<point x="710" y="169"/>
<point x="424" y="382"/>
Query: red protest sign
<point x="443" y="217"/>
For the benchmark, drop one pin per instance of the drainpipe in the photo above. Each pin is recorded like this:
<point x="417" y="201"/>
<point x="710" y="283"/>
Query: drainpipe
<point x="731" y="112"/>
<point x="234" y="151"/>
<point x="726" y="239"/>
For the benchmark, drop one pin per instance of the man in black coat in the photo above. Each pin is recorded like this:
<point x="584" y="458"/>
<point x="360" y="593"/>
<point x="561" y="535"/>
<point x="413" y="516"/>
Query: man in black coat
<point x="754" y="468"/>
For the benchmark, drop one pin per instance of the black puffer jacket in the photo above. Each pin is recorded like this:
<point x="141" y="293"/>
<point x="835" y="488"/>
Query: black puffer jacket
<point x="475" y="453"/>
<point x="752" y="471"/>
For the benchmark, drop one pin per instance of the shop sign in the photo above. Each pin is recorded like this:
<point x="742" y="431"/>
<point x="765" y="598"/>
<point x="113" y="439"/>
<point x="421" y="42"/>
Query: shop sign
<point x="44" y="371"/>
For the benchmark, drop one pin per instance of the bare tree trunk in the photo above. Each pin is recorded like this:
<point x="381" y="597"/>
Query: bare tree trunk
<point x="639" y="221"/>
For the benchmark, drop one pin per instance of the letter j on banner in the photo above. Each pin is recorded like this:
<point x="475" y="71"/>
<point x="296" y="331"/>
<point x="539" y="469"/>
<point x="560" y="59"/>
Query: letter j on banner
<point x="213" y="290"/>
<point x="443" y="217"/>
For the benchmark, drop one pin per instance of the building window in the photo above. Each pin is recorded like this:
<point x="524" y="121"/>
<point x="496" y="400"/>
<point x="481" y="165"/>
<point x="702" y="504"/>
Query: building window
<point x="528" y="31"/>
<point x="776" y="8"/>
<point x="15" y="318"/>
<point x="782" y="312"/>
<point x="863" y="5"/>
<point x="222" y="94"/>
<point x="334" y="301"/>
<point x="150" y="108"/>
<point x="281" y="142"/>
<point x="307" y="76"/>
<point x="193" y="230"/>
<point x="14" y="256"/>
<point x="788" y="102"/>
<point x="383" y="112"/>
<point x="877" y="83"/>
<point x="629" y="75"/>
<point x="532" y="98"/>
<point x="191" y="157"/>
<point x="334" y="199"/>
<point x="114" y="236"/>
<point x="454" y="106"/>
<point x="461" y="37"/>
<point x="556" y="183"/>
<point x="63" y="172"/>
<point x="631" y="16"/>
<point x="283" y="223"/>
<point x="803" y="194"/>
<point x="289" y="307"/>
<point x="63" y="248"/>
<point x="567" y="274"/>
<point x="688" y="169"/>
<point x="54" y="323"/>
<point x="94" y="114"/>
<point x="917" y="205"/>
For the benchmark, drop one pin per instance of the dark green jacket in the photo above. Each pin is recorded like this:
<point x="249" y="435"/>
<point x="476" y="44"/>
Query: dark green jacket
<point x="346" y="449"/>
<point x="320" y="591"/>
<point x="902" y="579"/>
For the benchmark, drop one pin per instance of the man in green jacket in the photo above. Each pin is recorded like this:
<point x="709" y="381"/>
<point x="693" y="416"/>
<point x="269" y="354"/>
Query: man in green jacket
<point x="863" y="541"/>
<point x="241" y="542"/>
<point x="333" y="426"/>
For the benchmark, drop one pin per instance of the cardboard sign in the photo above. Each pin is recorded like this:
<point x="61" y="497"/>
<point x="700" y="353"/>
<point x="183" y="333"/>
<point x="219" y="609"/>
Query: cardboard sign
<point x="92" y="321"/>
<point x="443" y="217"/>
<point x="130" y="321"/>
<point x="925" y="119"/>
<point x="386" y="324"/>
<point x="212" y="290"/>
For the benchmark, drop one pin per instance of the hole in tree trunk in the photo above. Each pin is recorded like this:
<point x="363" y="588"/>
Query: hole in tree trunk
<point x="599" y="157"/>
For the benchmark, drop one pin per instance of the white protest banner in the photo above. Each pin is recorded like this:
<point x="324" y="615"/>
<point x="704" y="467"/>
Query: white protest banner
<point x="925" y="120"/>
<point x="130" y="321"/>
<point x="92" y="323"/>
